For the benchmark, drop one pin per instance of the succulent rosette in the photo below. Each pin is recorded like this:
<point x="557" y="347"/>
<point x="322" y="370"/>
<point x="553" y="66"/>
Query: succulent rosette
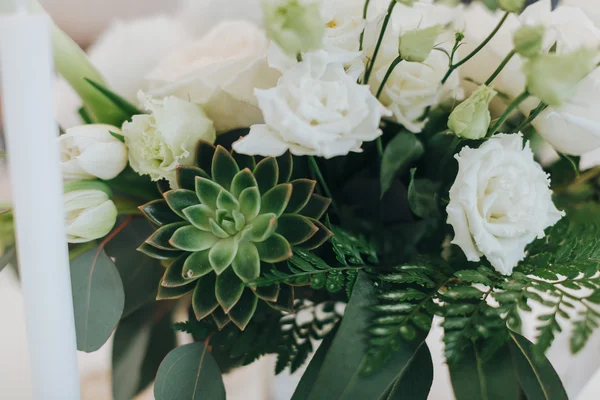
<point x="230" y="218"/>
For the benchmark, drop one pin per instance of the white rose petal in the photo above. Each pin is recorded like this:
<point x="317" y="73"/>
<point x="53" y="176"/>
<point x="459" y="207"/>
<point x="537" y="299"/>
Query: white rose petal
<point x="220" y="72"/>
<point x="90" y="151"/>
<point x="167" y="137"/>
<point x="316" y="109"/>
<point x="500" y="202"/>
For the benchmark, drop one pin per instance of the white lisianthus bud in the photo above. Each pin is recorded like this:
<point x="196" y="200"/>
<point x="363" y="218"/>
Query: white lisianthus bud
<point x="471" y="119"/>
<point x="553" y="78"/>
<point x="90" y="213"/>
<point x="416" y="44"/>
<point x="167" y="137"/>
<point x="90" y="151"/>
<point x="528" y="40"/>
<point x="500" y="201"/>
<point x="295" y="25"/>
<point x="513" y="6"/>
<point x="406" y="2"/>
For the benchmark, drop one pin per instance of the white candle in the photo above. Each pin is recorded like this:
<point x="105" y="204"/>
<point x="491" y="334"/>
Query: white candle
<point x="26" y="70"/>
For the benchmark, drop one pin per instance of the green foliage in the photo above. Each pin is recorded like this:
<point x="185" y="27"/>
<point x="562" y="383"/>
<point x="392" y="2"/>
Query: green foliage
<point x="400" y="152"/>
<point x="230" y="219"/>
<point x="8" y="250"/>
<point x="299" y="331"/>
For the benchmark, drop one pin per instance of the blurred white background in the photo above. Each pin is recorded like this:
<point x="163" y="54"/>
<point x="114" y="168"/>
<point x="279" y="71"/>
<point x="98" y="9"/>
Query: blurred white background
<point x="171" y="22"/>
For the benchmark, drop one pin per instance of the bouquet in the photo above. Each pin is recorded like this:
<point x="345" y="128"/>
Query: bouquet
<point x="340" y="183"/>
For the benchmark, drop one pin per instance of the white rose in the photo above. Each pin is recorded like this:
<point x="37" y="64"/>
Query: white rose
<point x="500" y="202"/>
<point x="142" y="42"/>
<point x="220" y="72"/>
<point x="90" y="151"/>
<point x="316" y="109"/>
<point x="414" y="87"/>
<point x="90" y="214"/>
<point x="167" y="137"/>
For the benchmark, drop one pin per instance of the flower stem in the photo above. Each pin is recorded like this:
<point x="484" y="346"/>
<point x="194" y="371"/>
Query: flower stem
<point x="532" y="115"/>
<point x="386" y="21"/>
<point x="321" y="179"/>
<point x="500" y="67"/>
<point x="511" y="107"/>
<point x="477" y="49"/>
<point x="362" y="34"/>
<point x="379" y="144"/>
<point x="393" y="65"/>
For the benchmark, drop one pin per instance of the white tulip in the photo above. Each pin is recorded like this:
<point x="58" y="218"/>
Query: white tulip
<point x="500" y="201"/>
<point x="160" y="141"/>
<point x="90" y="213"/>
<point x="90" y="151"/>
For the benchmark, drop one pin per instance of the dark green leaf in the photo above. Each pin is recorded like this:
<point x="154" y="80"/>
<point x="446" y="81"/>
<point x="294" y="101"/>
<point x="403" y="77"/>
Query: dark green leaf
<point x="189" y="372"/>
<point x="402" y="150"/>
<point x="224" y="167"/>
<point x="415" y="381"/>
<point x="314" y="368"/>
<point x="423" y="196"/>
<point x="536" y="375"/>
<point x="301" y="192"/>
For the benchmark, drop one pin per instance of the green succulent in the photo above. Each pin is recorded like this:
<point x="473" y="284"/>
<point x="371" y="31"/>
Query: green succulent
<point x="231" y="218"/>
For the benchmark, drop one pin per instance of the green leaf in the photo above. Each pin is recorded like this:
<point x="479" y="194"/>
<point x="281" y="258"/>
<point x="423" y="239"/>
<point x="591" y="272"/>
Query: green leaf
<point x="204" y="301"/>
<point x="302" y="189"/>
<point x="242" y="180"/>
<point x="246" y="263"/>
<point x="402" y="150"/>
<point x="186" y="176"/>
<point x="536" y="375"/>
<point x="339" y="376"/>
<point x="266" y="173"/>
<point x="222" y="254"/>
<point x="415" y="381"/>
<point x="160" y="238"/>
<point x="159" y="212"/>
<point x="263" y="227"/>
<point x="276" y="199"/>
<point x="204" y="155"/>
<point x="156" y="253"/>
<point x="229" y="289"/>
<point x="250" y="203"/>
<point x="321" y="236"/>
<point x="224" y="167"/>
<point x="316" y="206"/>
<point x="243" y="311"/>
<point x="226" y="201"/>
<point x="312" y="371"/>
<point x="189" y="372"/>
<point x="174" y="274"/>
<point x="180" y="199"/>
<point x="197" y="265"/>
<point x="296" y="228"/>
<point x="171" y="293"/>
<point x="274" y="249"/>
<point x="128" y="109"/>
<point x="286" y="166"/>
<point x="98" y="298"/>
<point x="190" y="238"/>
<point x="117" y="136"/>
<point x="200" y="216"/>
<point x="423" y="196"/>
<point x="208" y="192"/>
<point x="473" y="377"/>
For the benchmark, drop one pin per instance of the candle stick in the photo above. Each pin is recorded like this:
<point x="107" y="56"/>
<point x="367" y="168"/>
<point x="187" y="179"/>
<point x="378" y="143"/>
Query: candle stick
<point x="26" y="70"/>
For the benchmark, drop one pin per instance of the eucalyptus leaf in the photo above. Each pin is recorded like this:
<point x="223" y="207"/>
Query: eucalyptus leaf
<point x="536" y="375"/>
<point x="189" y="372"/>
<point x="415" y="381"/>
<point x="98" y="298"/>
<point x="312" y="371"/>
<point x="402" y="150"/>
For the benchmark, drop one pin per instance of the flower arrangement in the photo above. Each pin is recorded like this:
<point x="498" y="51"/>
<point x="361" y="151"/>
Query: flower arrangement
<point x="351" y="176"/>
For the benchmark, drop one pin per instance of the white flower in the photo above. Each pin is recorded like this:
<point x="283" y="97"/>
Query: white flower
<point x="500" y="202"/>
<point x="220" y="72"/>
<point x="90" y="151"/>
<point x="90" y="214"/>
<point x="167" y="137"/>
<point x="344" y="24"/>
<point x="141" y="42"/>
<point x="414" y="87"/>
<point x="316" y="109"/>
